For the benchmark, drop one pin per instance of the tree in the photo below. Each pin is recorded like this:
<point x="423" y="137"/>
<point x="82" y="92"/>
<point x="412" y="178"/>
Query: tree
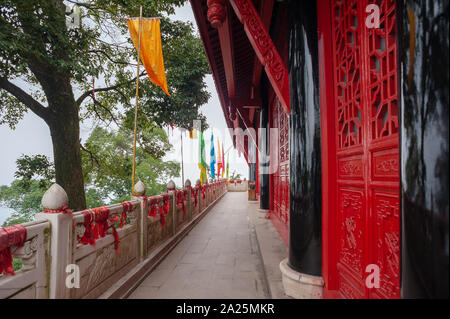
<point x="44" y="65"/>
<point x="235" y="176"/>
<point x="107" y="171"/>
<point x="108" y="168"/>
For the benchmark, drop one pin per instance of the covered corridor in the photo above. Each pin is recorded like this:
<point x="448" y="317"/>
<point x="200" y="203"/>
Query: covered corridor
<point x="233" y="252"/>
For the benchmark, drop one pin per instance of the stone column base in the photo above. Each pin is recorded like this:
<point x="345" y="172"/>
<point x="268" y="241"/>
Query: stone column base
<point x="298" y="285"/>
<point x="263" y="211"/>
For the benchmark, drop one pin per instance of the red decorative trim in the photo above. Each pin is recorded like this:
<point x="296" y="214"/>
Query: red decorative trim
<point x="64" y="210"/>
<point x="264" y="48"/>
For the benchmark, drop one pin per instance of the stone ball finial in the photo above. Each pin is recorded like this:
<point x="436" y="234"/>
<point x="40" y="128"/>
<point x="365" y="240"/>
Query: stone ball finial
<point x="187" y="182"/>
<point x="198" y="182"/>
<point x="171" y="185"/>
<point x="55" y="198"/>
<point x="139" y="189"/>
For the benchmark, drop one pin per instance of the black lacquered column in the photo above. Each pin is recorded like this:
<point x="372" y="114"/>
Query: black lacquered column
<point x="305" y="236"/>
<point x="424" y="54"/>
<point x="264" y="151"/>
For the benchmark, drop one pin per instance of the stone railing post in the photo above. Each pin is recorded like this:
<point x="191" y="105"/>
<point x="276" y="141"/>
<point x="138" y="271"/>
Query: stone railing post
<point x="198" y="184"/>
<point x="189" y="205"/>
<point x="171" y="190"/>
<point x="139" y="193"/>
<point x="55" y="203"/>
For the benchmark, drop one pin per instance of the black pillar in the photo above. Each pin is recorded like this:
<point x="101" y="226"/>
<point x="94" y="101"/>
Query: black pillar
<point x="424" y="148"/>
<point x="252" y="172"/>
<point x="305" y="235"/>
<point x="264" y="149"/>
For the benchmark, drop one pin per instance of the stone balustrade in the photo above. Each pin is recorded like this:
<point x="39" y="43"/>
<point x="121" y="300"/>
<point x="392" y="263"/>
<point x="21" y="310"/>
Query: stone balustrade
<point x="237" y="186"/>
<point x="109" y="248"/>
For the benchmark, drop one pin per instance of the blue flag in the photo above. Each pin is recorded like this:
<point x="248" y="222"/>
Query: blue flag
<point x="213" y="158"/>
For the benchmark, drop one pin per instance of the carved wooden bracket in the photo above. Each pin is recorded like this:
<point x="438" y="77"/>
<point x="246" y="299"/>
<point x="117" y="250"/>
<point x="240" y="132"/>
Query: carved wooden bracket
<point x="216" y="12"/>
<point x="264" y="48"/>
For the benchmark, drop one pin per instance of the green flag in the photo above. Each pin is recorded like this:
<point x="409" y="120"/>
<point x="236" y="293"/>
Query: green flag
<point x="202" y="157"/>
<point x="228" y="162"/>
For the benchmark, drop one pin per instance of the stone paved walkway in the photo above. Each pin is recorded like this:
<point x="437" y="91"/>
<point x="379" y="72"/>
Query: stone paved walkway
<point x="219" y="258"/>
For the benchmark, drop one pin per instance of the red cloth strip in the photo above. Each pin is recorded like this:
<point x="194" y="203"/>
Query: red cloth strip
<point x="96" y="224"/>
<point x="164" y="210"/>
<point x="64" y="210"/>
<point x="10" y="236"/>
<point x="154" y="205"/>
<point x="180" y="200"/>
<point x="126" y="208"/>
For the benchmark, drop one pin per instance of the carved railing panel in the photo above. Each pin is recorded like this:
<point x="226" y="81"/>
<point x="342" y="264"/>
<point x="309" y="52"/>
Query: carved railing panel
<point x="101" y="263"/>
<point x="30" y="281"/>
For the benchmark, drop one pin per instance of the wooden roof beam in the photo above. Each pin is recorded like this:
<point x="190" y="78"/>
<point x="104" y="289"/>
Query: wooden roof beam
<point x="219" y="15"/>
<point x="264" y="49"/>
<point x="265" y="12"/>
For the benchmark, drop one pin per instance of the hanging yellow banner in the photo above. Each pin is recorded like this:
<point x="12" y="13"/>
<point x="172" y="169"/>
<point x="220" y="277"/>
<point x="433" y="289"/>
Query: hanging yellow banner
<point x="151" y="49"/>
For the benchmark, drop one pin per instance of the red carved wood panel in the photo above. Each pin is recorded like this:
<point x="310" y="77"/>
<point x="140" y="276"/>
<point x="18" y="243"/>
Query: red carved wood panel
<point x="367" y="148"/>
<point x="280" y="205"/>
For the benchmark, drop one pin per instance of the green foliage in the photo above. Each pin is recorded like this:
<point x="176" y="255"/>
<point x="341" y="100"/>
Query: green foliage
<point x="110" y="169"/>
<point x="52" y="62"/>
<point x="38" y="166"/>
<point x="25" y="202"/>
<point x="235" y="176"/>
<point x="107" y="165"/>
<point x="17" y="264"/>
<point x="34" y="33"/>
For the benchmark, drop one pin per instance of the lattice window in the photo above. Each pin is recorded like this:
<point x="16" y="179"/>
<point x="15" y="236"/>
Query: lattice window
<point x="347" y="69"/>
<point x="382" y="55"/>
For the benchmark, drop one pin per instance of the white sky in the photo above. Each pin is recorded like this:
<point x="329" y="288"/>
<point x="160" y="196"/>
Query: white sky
<point x="32" y="135"/>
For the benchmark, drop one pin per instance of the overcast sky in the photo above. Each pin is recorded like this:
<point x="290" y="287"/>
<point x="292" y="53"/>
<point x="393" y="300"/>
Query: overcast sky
<point x="32" y="135"/>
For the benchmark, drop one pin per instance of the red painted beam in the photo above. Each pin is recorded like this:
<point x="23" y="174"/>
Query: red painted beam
<point x="246" y="103"/>
<point x="203" y="29"/>
<point x="226" y="46"/>
<point x="264" y="48"/>
<point x="265" y="12"/>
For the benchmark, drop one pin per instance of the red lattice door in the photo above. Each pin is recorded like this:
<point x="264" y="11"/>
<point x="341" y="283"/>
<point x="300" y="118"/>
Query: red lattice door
<point x="280" y="178"/>
<point x="367" y="149"/>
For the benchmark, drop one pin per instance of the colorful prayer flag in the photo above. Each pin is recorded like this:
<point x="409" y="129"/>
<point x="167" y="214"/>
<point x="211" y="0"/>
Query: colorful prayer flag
<point x="219" y="160"/>
<point x="228" y="164"/>
<point x="202" y="158"/>
<point x="223" y="161"/>
<point x="212" y="158"/>
<point x="151" y="49"/>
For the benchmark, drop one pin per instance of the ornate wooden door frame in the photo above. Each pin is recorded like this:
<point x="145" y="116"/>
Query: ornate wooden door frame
<point x="360" y="148"/>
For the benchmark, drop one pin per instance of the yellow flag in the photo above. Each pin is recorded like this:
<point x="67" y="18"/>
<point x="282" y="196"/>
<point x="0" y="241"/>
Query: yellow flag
<point x="193" y="133"/>
<point x="151" y="49"/>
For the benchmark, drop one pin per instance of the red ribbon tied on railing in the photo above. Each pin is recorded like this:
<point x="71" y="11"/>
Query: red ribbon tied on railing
<point x="126" y="208"/>
<point x="203" y="190"/>
<point x="164" y="209"/>
<point x="10" y="236"/>
<point x="181" y="196"/>
<point x="96" y="225"/>
<point x="194" y="194"/>
<point x="154" y="204"/>
<point x="64" y="210"/>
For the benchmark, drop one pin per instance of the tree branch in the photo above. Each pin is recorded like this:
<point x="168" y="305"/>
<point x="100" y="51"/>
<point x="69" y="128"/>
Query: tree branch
<point x="109" y="58"/>
<point x="109" y="88"/>
<point x="107" y="110"/>
<point x="25" y="98"/>
<point x="91" y="155"/>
